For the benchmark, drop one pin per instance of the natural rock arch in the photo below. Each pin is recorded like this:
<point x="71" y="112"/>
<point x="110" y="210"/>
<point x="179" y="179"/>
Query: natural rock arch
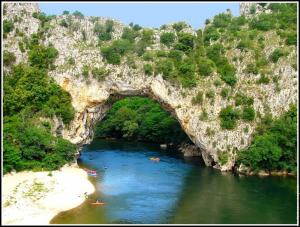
<point x="89" y="96"/>
<point x="96" y="104"/>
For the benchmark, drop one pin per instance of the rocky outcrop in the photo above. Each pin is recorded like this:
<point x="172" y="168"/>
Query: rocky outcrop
<point x="91" y="98"/>
<point x="250" y="9"/>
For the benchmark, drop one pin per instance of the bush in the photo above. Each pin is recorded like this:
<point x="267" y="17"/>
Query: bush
<point x="129" y="34"/>
<point x="205" y="66"/>
<point x="104" y="31"/>
<point x="42" y="56"/>
<point x="251" y="68"/>
<point x="8" y="26"/>
<point x="291" y="39"/>
<point x="65" y="12"/>
<point x="210" y="34"/>
<point x="78" y="14"/>
<point x="277" y="53"/>
<point x="228" y="116"/>
<point x="99" y="73"/>
<point x="148" y="70"/>
<point x="210" y="94"/>
<point x="198" y="99"/>
<point x="225" y="92"/>
<point x="114" y="52"/>
<point x="222" y="20"/>
<point x="185" y="42"/>
<point x="179" y="26"/>
<point x="263" y="79"/>
<point x="8" y="58"/>
<point x="63" y="23"/>
<point x="167" y="38"/>
<point x="263" y="22"/>
<point x="227" y="72"/>
<point x="241" y="99"/>
<point x="248" y="113"/>
<point x="85" y="71"/>
<point x="176" y="55"/>
<point x="165" y="67"/>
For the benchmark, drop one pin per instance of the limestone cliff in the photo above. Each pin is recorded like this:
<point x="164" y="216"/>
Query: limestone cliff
<point x="90" y="97"/>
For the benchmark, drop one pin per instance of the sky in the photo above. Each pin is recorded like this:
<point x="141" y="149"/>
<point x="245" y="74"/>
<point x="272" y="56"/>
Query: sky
<point x="146" y="14"/>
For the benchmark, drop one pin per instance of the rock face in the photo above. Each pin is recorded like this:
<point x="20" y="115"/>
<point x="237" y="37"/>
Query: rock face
<point x="92" y="98"/>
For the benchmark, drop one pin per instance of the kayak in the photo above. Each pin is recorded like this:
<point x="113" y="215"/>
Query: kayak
<point x="155" y="159"/>
<point x="90" y="171"/>
<point x="98" y="203"/>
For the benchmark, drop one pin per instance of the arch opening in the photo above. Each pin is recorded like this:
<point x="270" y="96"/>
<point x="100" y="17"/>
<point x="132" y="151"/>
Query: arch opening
<point x="175" y="137"/>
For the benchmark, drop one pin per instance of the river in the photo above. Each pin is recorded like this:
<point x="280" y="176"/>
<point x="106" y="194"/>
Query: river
<point x="175" y="190"/>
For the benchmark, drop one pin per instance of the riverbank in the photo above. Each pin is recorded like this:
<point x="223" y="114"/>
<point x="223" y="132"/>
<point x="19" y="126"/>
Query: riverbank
<point x="36" y="197"/>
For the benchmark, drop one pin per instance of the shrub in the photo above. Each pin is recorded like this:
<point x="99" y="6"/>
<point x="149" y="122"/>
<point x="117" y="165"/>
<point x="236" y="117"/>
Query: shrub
<point x="228" y="116"/>
<point x="210" y="94"/>
<point x="85" y="71"/>
<point x="129" y="34"/>
<point x="244" y="44"/>
<point x="205" y="66"/>
<point x="63" y="23"/>
<point x="222" y="20"/>
<point x="176" y="55"/>
<point x="217" y="82"/>
<point x="223" y="158"/>
<point x="210" y="34"/>
<point x="165" y="67"/>
<point x="225" y="92"/>
<point x="104" y="31"/>
<point x="179" y="26"/>
<point x="167" y="38"/>
<point x="78" y="14"/>
<point x="99" y="73"/>
<point x="263" y="22"/>
<point x="204" y="115"/>
<point x="65" y="12"/>
<point x="185" y="42"/>
<point x="8" y="26"/>
<point x="114" y="52"/>
<point x="291" y="39"/>
<point x="251" y="68"/>
<point x="8" y="58"/>
<point x="198" y="99"/>
<point x="227" y="72"/>
<point x="277" y="53"/>
<point x="241" y="99"/>
<point x="42" y="56"/>
<point x="263" y="79"/>
<point x="248" y="113"/>
<point x="148" y="56"/>
<point x="148" y="69"/>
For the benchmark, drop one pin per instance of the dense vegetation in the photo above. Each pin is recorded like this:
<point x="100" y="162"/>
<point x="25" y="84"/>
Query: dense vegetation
<point x="274" y="146"/>
<point x="137" y="118"/>
<point x="29" y="96"/>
